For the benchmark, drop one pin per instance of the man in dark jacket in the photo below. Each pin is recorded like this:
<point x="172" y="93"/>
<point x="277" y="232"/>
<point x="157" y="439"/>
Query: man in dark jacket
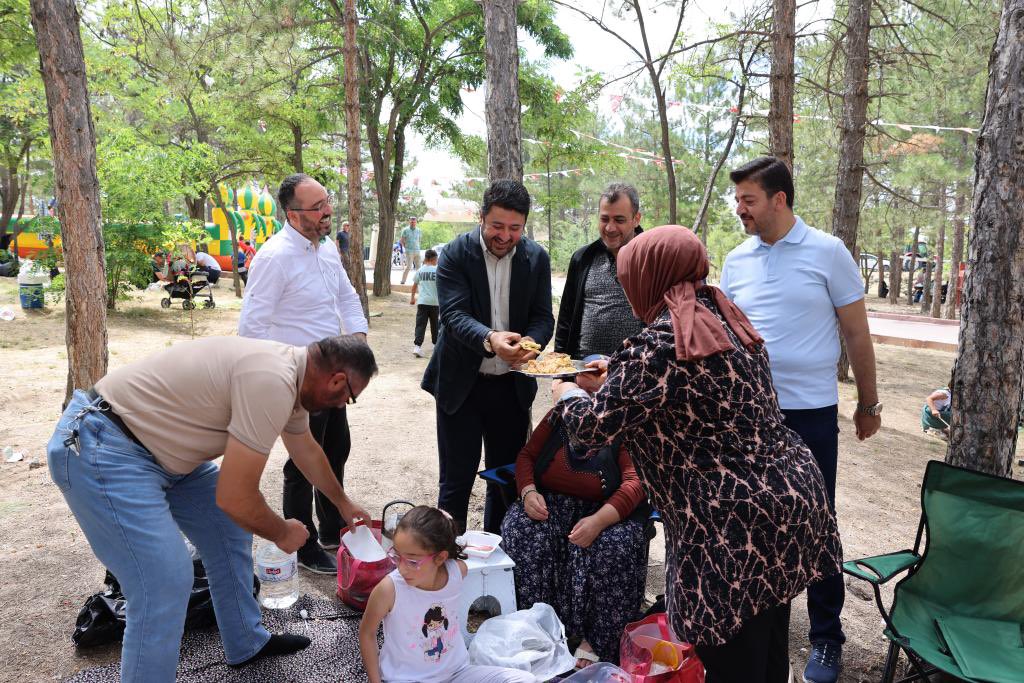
<point x="494" y="290"/>
<point x="595" y="316"/>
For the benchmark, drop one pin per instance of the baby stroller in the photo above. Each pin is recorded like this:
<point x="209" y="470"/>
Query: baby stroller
<point x="189" y="285"/>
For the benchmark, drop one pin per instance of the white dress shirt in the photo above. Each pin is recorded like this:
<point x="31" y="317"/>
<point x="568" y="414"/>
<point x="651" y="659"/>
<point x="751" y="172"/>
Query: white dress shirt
<point x="204" y="259"/>
<point x="499" y="277"/>
<point x="298" y="294"/>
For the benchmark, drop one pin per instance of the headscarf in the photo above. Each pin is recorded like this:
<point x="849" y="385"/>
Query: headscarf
<point x="664" y="267"/>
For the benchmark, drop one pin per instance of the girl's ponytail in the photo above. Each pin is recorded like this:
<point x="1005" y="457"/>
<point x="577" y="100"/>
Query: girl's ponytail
<point x="434" y="528"/>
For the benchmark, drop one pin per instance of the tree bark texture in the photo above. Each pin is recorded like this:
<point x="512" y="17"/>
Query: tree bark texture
<point x="783" y="77"/>
<point x="957" y="256"/>
<point x="987" y="376"/>
<point x="354" y="262"/>
<point x="501" y="51"/>
<point x="297" y="162"/>
<point x="940" y="254"/>
<point x="850" y="174"/>
<point x="73" y="140"/>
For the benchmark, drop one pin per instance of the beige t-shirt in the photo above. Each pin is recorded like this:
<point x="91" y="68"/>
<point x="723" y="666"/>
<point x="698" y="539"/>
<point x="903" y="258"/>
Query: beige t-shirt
<point x="183" y="402"/>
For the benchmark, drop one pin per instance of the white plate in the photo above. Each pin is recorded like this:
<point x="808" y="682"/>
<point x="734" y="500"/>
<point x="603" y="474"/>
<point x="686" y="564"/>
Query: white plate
<point x="578" y="364"/>
<point x="479" y="543"/>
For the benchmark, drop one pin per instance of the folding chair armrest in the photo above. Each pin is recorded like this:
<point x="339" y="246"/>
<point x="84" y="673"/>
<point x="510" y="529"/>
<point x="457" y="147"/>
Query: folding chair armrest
<point x="505" y="474"/>
<point x="878" y="569"/>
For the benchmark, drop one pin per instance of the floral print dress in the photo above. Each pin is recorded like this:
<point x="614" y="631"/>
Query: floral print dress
<point x="746" y="515"/>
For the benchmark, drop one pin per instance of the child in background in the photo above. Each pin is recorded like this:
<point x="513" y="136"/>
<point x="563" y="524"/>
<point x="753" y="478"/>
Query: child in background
<point x="425" y="285"/>
<point x="419" y="605"/>
<point x="938" y="411"/>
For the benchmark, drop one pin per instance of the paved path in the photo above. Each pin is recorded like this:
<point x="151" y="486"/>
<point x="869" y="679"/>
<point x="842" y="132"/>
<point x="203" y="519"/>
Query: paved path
<point x="914" y="331"/>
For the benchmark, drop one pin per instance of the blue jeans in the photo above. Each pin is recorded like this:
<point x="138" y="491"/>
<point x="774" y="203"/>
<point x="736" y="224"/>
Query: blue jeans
<point x="819" y="429"/>
<point x="131" y="510"/>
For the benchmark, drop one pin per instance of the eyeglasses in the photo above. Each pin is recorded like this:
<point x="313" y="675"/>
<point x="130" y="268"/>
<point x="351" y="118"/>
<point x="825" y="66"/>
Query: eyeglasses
<point x="351" y="394"/>
<point x="319" y="207"/>
<point x="413" y="564"/>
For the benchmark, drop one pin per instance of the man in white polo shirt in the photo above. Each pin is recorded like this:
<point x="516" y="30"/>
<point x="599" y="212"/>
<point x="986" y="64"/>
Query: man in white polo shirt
<point x="800" y="287"/>
<point x="298" y="292"/>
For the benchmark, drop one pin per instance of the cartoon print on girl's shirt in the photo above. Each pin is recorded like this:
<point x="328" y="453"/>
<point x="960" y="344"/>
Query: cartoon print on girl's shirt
<point x="436" y="633"/>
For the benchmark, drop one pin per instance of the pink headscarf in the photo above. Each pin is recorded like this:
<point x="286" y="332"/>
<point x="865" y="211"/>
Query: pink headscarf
<point x="664" y="267"/>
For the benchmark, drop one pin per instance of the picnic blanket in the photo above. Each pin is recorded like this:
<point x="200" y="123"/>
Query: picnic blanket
<point x="332" y="656"/>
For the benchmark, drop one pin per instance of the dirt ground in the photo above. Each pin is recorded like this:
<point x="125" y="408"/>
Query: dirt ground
<point x="50" y="569"/>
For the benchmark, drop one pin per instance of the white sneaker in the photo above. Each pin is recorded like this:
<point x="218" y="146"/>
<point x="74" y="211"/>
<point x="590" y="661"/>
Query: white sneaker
<point x="417" y="351"/>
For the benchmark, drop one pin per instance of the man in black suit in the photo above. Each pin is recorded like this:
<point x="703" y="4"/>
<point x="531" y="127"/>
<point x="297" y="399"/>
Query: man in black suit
<point x="494" y="290"/>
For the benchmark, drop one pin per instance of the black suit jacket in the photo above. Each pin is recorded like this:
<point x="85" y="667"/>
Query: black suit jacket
<point x="464" y="296"/>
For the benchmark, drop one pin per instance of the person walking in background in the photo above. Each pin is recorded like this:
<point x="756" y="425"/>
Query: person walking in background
<point x="494" y="290"/>
<point x="410" y="242"/>
<point x="801" y="288"/>
<point x="298" y="292"/>
<point x="594" y="316"/>
<point x="424" y="287"/>
<point x="344" y="239"/>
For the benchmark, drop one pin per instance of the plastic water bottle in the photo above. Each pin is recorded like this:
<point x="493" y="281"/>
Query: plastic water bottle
<point x="276" y="571"/>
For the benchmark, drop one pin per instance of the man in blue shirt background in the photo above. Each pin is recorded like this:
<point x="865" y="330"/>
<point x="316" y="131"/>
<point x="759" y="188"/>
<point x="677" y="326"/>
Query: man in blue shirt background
<point x="800" y="287"/>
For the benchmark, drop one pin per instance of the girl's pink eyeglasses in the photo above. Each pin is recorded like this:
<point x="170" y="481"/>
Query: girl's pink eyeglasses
<point x="398" y="559"/>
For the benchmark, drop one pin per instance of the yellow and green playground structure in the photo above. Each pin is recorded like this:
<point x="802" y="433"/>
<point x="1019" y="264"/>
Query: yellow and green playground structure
<point x="253" y="221"/>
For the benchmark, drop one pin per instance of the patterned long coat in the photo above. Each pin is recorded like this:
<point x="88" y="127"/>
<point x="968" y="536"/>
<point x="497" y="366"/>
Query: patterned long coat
<point x="746" y="515"/>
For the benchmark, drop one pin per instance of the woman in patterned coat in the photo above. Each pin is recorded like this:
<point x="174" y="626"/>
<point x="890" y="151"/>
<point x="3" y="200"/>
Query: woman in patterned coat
<point x="746" y="515"/>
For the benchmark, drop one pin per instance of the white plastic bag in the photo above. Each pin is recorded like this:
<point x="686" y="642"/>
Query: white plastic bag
<point x="531" y="640"/>
<point x="601" y="672"/>
<point x="33" y="273"/>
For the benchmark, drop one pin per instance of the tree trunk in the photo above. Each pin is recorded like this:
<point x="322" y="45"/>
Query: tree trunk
<point x="73" y="140"/>
<point x="501" y="51"/>
<point x="353" y="161"/>
<point x="957" y="257"/>
<point x="196" y="207"/>
<point x="10" y="190"/>
<point x="780" y="111"/>
<point x="926" y="292"/>
<point x="987" y="376"/>
<point x="895" y="275"/>
<point x="297" y="148"/>
<point x="850" y="175"/>
<point x="940" y="253"/>
<point x="913" y="266"/>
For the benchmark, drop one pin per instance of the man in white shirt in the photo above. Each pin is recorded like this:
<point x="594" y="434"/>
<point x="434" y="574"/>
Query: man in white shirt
<point x="298" y="292"/>
<point x="207" y="264"/>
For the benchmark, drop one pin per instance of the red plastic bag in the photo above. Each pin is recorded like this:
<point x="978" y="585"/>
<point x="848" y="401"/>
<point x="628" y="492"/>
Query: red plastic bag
<point x="356" y="578"/>
<point x="651" y="653"/>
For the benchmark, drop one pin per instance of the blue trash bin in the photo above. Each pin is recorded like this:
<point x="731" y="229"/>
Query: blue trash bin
<point x="31" y="296"/>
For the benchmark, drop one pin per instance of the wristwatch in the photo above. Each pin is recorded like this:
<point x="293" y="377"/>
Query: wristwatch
<point x="487" y="342"/>
<point x="872" y="410"/>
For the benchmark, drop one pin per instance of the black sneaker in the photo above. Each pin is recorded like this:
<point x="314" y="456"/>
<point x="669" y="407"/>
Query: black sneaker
<point x="317" y="560"/>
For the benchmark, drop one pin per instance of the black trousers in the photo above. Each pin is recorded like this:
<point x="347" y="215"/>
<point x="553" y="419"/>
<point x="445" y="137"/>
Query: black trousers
<point x="423" y="314"/>
<point x="490" y="415"/>
<point x="759" y="653"/>
<point x="330" y="429"/>
<point x="819" y="429"/>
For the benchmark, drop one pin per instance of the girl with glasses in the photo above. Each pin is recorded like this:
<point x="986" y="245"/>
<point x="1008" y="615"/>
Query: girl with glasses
<point x="418" y="603"/>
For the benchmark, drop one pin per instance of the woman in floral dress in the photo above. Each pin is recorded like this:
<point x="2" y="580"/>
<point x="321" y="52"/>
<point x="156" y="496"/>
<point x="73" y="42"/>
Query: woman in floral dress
<point x="747" y="519"/>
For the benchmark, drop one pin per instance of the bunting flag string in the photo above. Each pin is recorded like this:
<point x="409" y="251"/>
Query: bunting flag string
<point x="616" y="102"/>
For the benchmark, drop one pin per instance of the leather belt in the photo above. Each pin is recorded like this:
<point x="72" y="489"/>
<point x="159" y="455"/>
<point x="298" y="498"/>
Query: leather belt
<point x="108" y="412"/>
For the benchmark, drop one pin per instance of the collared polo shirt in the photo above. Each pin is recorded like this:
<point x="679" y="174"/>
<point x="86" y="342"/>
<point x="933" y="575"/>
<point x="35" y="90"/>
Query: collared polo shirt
<point x="790" y="290"/>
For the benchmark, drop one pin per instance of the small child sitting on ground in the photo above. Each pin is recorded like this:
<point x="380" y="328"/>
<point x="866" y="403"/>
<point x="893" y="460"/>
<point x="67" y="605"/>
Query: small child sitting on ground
<point x="937" y="412"/>
<point x="419" y="605"/>
<point x="425" y="286"/>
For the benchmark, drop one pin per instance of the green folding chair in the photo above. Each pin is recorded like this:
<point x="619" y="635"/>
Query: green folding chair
<point x="961" y="607"/>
